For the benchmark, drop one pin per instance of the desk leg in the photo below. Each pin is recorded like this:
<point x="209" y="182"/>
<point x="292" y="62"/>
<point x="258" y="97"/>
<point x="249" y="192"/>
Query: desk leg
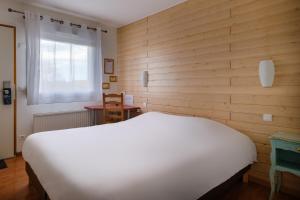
<point x="95" y="118"/>
<point x="91" y="117"/>
<point x="273" y="182"/>
<point x="128" y="114"/>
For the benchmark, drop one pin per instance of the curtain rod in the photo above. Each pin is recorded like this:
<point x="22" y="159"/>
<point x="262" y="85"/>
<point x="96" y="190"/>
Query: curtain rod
<point x="57" y="20"/>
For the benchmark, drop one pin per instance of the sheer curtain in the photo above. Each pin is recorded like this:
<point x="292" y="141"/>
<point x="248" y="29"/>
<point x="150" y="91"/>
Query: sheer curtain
<point x="70" y="67"/>
<point x="32" y="29"/>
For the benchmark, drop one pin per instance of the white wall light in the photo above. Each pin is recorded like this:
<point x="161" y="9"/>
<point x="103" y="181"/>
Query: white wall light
<point x="266" y="73"/>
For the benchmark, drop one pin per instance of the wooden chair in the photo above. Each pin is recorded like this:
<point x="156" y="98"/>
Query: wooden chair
<point x="113" y="108"/>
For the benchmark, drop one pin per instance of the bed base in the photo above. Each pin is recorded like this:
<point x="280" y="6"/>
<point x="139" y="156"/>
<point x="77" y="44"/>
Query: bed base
<point x="220" y="190"/>
<point x="34" y="182"/>
<point x="215" y="193"/>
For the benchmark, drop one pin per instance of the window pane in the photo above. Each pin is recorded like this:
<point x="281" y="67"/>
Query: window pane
<point x="63" y="62"/>
<point x="65" y="68"/>
<point x="47" y="60"/>
<point x="80" y="62"/>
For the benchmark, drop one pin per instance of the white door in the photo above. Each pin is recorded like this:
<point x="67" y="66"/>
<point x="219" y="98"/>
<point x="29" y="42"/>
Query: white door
<point x="7" y="67"/>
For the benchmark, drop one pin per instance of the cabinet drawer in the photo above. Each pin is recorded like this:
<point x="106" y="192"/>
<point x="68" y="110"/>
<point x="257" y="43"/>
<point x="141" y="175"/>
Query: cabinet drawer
<point x="290" y="146"/>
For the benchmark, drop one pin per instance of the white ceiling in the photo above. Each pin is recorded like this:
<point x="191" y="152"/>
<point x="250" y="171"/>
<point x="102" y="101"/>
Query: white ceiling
<point x="112" y="12"/>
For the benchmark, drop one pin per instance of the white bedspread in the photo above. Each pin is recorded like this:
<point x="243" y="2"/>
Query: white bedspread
<point x="152" y="157"/>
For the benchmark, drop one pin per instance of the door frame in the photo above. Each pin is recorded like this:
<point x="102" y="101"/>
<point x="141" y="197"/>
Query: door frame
<point x="15" y="86"/>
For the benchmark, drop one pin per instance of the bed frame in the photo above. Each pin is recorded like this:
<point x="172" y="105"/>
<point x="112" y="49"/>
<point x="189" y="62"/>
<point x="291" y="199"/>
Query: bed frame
<point x="215" y="193"/>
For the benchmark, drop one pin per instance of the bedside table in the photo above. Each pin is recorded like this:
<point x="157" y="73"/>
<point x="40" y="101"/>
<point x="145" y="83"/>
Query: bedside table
<point x="285" y="157"/>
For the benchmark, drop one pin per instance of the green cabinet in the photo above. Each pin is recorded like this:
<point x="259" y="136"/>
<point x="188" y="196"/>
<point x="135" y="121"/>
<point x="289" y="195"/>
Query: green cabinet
<point x="285" y="157"/>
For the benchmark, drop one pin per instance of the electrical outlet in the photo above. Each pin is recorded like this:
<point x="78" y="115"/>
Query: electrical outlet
<point x="22" y="137"/>
<point x="267" y="117"/>
<point x="145" y="104"/>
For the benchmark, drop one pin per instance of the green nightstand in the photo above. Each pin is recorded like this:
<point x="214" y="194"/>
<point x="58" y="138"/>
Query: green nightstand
<point x="285" y="157"/>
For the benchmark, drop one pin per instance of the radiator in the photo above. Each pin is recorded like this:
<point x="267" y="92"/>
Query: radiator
<point x="61" y="120"/>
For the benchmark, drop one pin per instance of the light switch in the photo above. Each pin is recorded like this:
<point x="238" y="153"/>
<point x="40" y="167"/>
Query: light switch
<point x="267" y="117"/>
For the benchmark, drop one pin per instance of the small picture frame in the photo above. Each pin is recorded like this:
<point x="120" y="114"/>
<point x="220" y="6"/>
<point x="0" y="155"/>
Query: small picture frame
<point x="105" y="86"/>
<point x="108" y="66"/>
<point x="113" y="79"/>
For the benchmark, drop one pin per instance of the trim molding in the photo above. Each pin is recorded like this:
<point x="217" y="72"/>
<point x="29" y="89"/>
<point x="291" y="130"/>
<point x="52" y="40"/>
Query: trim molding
<point x="15" y="86"/>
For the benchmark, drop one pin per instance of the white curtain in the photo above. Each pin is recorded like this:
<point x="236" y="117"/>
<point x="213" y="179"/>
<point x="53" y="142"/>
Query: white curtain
<point x="70" y="67"/>
<point x="32" y="28"/>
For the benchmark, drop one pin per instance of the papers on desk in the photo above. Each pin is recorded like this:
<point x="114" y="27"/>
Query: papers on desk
<point x="128" y="100"/>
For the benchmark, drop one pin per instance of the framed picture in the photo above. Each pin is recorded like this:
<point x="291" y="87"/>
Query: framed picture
<point x="113" y="78"/>
<point x="105" y="86"/>
<point x="108" y="66"/>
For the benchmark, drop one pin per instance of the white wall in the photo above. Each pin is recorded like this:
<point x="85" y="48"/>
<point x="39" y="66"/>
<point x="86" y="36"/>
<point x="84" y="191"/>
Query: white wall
<point x="25" y="112"/>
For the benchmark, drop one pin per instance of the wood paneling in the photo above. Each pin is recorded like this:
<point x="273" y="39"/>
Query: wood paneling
<point x="202" y="57"/>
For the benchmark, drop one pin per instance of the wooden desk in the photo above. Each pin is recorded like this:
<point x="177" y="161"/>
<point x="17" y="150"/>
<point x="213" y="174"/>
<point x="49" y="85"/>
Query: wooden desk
<point x="93" y="109"/>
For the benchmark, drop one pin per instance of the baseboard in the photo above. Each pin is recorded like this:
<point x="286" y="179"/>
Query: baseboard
<point x="259" y="181"/>
<point x="19" y="153"/>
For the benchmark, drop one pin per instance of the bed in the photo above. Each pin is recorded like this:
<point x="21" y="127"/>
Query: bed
<point x="152" y="156"/>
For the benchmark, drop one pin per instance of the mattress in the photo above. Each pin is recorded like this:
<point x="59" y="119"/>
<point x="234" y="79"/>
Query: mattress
<point x="152" y="156"/>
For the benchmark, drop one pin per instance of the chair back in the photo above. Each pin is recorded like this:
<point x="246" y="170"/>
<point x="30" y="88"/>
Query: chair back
<point x="113" y="108"/>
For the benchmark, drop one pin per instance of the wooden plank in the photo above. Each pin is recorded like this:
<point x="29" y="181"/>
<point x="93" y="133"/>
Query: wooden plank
<point x="282" y="111"/>
<point x="258" y="128"/>
<point x="266" y="22"/>
<point x="285" y="80"/>
<point x="280" y="91"/>
<point x="266" y="32"/>
<point x="258" y="138"/>
<point x="194" y="63"/>
<point x="252" y="6"/>
<point x="218" y="114"/>
<point x="202" y="36"/>
<point x="279" y="60"/>
<point x="217" y="98"/>
<point x="268" y="40"/>
<point x="189" y="44"/>
<point x="264" y="12"/>
<point x="267" y="100"/>
<point x="288" y="122"/>
<point x="191" y="82"/>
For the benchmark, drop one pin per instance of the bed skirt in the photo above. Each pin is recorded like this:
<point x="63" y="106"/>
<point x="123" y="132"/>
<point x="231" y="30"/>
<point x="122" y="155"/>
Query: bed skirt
<point x="215" y="193"/>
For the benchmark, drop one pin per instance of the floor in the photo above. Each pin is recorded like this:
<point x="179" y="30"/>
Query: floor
<point x="14" y="181"/>
<point x="14" y="186"/>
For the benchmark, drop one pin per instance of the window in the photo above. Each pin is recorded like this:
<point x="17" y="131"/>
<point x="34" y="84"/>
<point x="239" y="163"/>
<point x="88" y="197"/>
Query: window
<point x="63" y="61"/>
<point x="66" y="71"/>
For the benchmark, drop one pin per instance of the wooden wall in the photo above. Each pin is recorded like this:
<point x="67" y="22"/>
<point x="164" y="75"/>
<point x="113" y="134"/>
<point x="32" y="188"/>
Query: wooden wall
<point x="203" y="56"/>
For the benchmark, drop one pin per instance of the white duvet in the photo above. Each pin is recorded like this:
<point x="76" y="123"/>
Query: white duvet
<point x="152" y="157"/>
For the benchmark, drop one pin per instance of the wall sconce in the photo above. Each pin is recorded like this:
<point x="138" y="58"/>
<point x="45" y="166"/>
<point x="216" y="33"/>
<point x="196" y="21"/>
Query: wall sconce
<point x="266" y="73"/>
<point x="145" y="78"/>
